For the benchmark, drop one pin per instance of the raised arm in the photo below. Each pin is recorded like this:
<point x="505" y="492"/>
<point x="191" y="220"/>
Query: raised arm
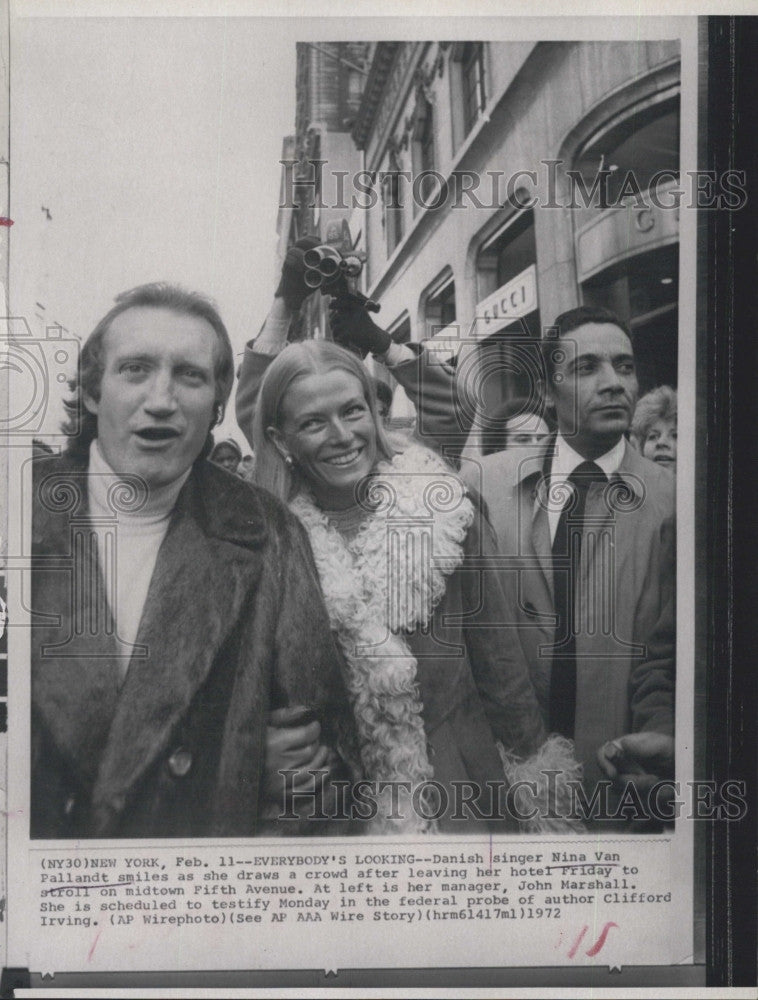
<point x="430" y="384"/>
<point x="289" y="296"/>
<point x="259" y="354"/>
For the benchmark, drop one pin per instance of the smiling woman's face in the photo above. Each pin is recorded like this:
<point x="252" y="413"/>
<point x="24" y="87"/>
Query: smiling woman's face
<point x="660" y="443"/>
<point x="327" y="428"/>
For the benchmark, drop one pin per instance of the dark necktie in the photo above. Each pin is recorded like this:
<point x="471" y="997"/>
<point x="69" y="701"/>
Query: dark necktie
<point x="567" y="553"/>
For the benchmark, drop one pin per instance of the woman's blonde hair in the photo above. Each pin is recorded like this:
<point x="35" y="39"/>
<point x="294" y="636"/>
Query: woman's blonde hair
<point x="307" y="357"/>
<point x="658" y="404"/>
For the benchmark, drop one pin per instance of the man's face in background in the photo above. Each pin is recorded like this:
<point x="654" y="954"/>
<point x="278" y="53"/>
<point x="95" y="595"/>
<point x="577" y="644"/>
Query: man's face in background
<point x="525" y="430"/>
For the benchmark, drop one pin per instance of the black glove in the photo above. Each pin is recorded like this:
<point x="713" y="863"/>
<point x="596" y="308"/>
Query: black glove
<point x="352" y="327"/>
<point x="291" y="286"/>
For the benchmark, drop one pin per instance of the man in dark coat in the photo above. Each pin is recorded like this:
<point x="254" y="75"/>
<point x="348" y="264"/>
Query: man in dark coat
<point x="174" y="607"/>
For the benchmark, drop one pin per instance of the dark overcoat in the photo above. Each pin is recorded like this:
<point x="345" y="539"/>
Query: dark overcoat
<point x="233" y="626"/>
<point x="475" y="685"/>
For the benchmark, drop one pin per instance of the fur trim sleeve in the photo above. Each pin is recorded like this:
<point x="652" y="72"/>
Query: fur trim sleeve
<point x="542" y="797"/>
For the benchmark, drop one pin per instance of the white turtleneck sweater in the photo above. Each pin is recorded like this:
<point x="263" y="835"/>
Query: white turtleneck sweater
<point x="139" y="536"/>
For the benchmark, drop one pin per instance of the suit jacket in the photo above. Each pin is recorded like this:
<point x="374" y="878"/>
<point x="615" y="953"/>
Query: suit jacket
<point x="475" y="686"/>
<point x="233" y="625"/>
<point x="624" y="600"/>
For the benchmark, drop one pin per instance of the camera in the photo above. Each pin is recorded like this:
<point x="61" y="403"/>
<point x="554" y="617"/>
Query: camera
<point x="334" y="273"/>
<point x="38" y="372"/>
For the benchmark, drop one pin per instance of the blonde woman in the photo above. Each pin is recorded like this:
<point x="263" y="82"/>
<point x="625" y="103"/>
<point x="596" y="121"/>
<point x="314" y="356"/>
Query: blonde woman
<point x="654" y="426"/>
<point x="442" y="698"/>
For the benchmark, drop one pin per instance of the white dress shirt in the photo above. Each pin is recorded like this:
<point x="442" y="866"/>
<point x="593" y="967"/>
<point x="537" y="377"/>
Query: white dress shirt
<point x="565" y="460"/>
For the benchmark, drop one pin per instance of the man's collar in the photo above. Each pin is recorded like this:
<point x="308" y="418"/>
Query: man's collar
<point x="232" y="509"/>
<point x="227" y="507"/>
<point x="630" y="467"/>
<point x="566" y="459"/>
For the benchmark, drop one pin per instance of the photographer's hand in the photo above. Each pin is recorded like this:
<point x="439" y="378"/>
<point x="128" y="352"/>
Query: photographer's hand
<point x="352" y="326"/>
<point x="292" y="288"/>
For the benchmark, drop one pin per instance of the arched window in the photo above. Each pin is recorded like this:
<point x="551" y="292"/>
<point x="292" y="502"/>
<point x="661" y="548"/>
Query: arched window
<point x="627" y="247"/>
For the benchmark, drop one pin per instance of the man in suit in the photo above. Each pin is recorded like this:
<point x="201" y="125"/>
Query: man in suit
<point x="586" y="531"/>
<point x="168" y="598"/>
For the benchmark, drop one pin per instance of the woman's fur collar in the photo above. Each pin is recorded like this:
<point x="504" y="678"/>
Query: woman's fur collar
<point x="384" y="582"/>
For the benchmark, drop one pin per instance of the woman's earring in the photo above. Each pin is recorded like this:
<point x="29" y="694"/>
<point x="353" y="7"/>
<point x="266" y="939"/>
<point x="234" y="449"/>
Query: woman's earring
<point x="289" y="461"/>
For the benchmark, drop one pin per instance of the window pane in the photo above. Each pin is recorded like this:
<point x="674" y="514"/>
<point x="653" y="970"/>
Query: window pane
<point x="473" y="82"/>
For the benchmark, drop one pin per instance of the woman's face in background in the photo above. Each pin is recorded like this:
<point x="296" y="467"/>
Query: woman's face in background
<point x="660" y="443"/>
<point x="328" y="430"/>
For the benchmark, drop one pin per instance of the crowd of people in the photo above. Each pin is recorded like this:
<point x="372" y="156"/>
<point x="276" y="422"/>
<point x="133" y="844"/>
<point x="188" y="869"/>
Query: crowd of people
<point x="378" y="632"/>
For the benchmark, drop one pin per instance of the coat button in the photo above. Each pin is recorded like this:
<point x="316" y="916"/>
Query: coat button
<point x="180" y="762"/>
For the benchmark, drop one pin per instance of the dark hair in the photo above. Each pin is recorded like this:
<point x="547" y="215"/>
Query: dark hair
<point x="494" y="438"/>
<point x="229" y="443"/>
<point x="570" y="320"/>
<point x="80" y="424"/>
<point x="383" y="392"/>
<point x="41" y="446"/>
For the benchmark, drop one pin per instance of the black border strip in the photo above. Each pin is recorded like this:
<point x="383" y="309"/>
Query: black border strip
<point x="732" y="516"/>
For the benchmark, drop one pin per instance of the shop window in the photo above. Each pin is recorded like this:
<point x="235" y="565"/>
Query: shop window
<point x="630" y="155"/>
<point x="506" y="254"/>
<point x="627" y="256"/>
<point x="644" y="291"/>
<point x="507" y="313"/>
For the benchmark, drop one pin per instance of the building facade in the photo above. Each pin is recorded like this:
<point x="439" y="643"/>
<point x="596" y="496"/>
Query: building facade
<point x="320" y="155"/>
<point x="493" y="185"/>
